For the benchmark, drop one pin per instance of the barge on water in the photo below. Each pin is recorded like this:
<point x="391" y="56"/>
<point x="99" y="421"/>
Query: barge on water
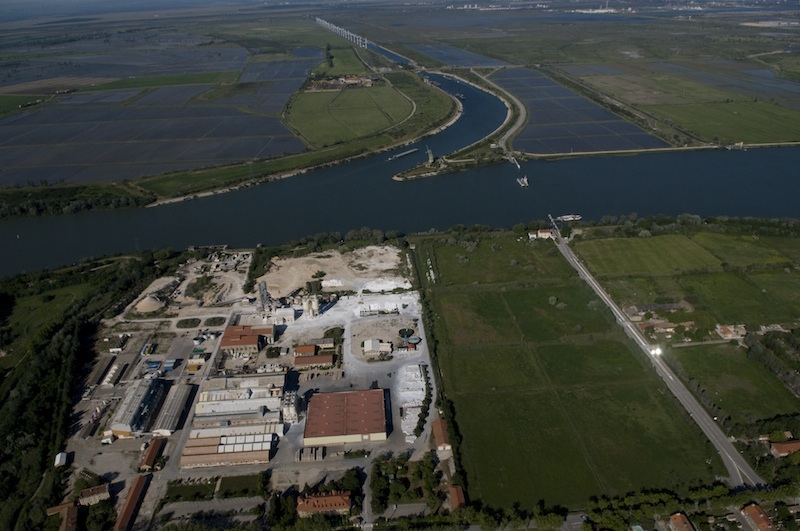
<point x="403" y="154"/>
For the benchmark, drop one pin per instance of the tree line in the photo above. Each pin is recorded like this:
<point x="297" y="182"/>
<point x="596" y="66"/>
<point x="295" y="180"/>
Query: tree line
<point x="37" y="396"/>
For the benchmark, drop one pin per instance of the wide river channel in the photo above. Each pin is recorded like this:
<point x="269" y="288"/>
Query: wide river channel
<point x="757" y="182"/>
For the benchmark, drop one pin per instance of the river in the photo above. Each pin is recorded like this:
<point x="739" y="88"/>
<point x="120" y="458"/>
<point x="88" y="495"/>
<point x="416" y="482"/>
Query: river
<point x="756" y="182"/>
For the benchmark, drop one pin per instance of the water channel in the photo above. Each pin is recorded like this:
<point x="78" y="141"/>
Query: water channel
<point x="756" y="182"/>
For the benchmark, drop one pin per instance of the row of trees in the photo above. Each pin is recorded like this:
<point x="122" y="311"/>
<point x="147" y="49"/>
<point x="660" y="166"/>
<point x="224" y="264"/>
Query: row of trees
<point x="621" y="512"/>
<point x="396" y="480"/>
<point x="777" y="352"/>
<point x="631" y="225"/>
<point x="63" y="200"/>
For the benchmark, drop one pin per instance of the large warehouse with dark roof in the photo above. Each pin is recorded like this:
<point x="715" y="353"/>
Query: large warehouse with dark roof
<point x="345" y="417"/>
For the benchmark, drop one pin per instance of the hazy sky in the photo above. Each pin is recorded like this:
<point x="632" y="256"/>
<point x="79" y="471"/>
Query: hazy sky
<point x="24" y="9"/>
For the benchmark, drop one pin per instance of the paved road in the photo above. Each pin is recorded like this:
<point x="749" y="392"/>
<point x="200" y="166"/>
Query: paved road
<point x="740" y="472"/>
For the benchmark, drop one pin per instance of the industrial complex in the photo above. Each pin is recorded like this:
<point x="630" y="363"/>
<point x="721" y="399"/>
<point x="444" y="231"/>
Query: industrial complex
<point x="191" y="387"/>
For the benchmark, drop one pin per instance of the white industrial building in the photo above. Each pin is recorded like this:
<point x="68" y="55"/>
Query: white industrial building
<point x="231" y="397"/>
<point x="227" y="450"/>
<point x="139" y="407"/>
<point x="174" y="408"/>
<point x="289" y="407"/>
<point x="282" y="316"/>
<point x="237" y="407"/>
<point x="232" y="431"/>
<point x="376" y="346"/>
<point x="236" y="421"/>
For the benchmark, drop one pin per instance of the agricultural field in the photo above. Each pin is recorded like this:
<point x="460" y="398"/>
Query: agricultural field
<point x="733" y="299"/>
<point x="137" y="125"/>
<point x="661" y="255"/>
<point x="562" y="121"/>
<point x="525" y="347"/>
<point x="206" y="111"/>
<point x="9" y="104"/>
<point x="344" y="62"/>
<point x="742" y="387"/>
<point x="740" y="251"/>
<point x="755" y="288"/>
<point x="453" y="56"/>
<point x="325" y="118"/>
<point x="459" y="262"/>
<point x="728" y="123"/>
<point x="788" y="247"/>
<point x="708" y="77"/>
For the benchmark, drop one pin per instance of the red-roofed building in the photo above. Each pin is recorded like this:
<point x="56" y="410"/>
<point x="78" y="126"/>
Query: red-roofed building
<point x="305" y="350"/>
<point x="242" y="340"/>
<point x="320" y="360"/>
<point x="757" y="518"/>
<point x="153" y="453"/>
<point x="440" y="435"/>
<point x="782" y="449"/>
<point x="127" y="514"/>
<point x="68" y="513"/>
<point x="680" y="522"/>
<point x="333" y="502"/>
<point x="345" y="417"/>
<point x="69" y="519"/>
<point x="94" y="495"/>
<point x="457" y="499"/>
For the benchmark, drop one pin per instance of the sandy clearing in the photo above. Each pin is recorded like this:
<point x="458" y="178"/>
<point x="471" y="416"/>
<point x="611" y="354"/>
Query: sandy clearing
<point x="379" y="328"/>
<point x="375" y="266"/>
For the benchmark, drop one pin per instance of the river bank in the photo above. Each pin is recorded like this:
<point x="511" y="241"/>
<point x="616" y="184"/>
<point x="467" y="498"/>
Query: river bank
<point x="457" y="113"/>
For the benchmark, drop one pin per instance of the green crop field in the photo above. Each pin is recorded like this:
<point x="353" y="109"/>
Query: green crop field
<point x="739" y="251"/>
<point x="571" y="313"/>
<point x="11" y="103"/>
<point x="642" y="88"/>
<point x="325" y="118"/>
<point x="168" y="80"/>
<point x="781" y="284"/>
<point x="735" y="121"/>
<point x="788" y="247"/>
<point x="345" y="63"/>
<point x="660" y="255"/>
<point x="477" y="317"/>
<point x="691" y="270"/>
<point x="491" y="366"/>
<point x="590" y="420"/>
<point x="732" y="299"/>
<point x="497" y="258"/>
<point x="601" y="362"/>
<point x="644" y="290"/>
<point x="743" y="388"/>
<point x="551" y="401"/>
